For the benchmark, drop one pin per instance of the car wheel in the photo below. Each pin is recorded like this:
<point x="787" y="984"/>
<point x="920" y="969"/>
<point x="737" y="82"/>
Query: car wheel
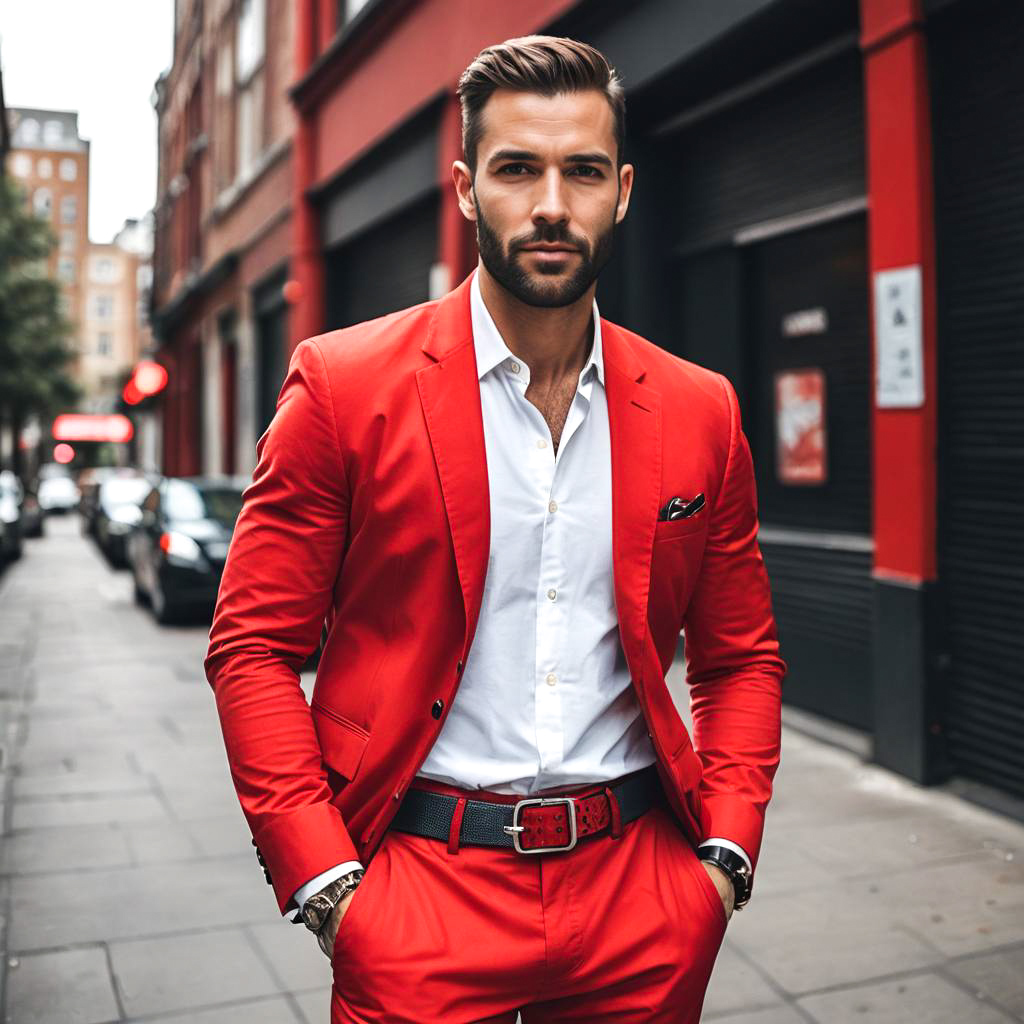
<point x="140" y="596"/>
<point x="164" y="610"/>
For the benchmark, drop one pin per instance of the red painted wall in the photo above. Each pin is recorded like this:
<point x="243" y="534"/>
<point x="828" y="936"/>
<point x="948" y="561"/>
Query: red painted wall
<point x="423" y="55"/>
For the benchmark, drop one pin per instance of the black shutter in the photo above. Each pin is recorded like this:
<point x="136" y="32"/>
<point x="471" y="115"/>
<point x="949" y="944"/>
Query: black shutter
<point x="384" y="269"/>
<point x="977" y="80"/>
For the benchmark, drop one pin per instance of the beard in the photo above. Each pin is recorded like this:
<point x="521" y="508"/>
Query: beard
<point x="546" y="288"/>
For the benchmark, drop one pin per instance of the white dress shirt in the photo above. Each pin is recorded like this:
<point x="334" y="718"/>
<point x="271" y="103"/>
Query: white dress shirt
<point x="546" y="698"/>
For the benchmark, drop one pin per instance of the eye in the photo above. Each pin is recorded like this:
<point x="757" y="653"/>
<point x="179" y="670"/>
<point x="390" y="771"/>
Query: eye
<point x="590" y="172"/>
<point x="511" y="167"/>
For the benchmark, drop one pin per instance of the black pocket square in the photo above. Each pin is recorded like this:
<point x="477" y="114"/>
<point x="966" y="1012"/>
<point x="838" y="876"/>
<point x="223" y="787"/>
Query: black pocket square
<point x="676" y="508"/>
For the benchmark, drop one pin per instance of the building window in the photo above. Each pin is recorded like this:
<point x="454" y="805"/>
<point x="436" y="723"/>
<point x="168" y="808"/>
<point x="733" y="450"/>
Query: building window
<point x="69" y="210"/>
<point x="68" y="169"/>
<point x="21" y="165"/>
<point x="42" y="202"/>
<point x="102" y="268"/>
<point x="28" y="131"/>
<point x="68" y="240"/>
<point x="104" y="307"/>
<point x="105" y="343"/>
<point x="249" y="49"/>
<point x="53" y="132"/>
<point x="251" y="37"/>
<point x="45" y="167"/>
<point x="250" y="126"/>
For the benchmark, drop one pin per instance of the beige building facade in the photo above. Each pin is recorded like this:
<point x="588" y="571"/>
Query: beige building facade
<point x="50" y="161"/>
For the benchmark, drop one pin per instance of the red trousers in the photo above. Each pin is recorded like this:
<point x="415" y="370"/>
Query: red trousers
<point x="616" y="929"/>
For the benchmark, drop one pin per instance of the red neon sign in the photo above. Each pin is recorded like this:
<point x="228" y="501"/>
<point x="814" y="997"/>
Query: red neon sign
<point x="87" y="427"/>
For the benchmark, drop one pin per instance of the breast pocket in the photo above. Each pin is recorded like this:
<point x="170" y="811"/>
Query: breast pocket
<point x="672" y="528"/>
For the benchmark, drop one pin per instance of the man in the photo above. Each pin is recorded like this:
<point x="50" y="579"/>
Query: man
<point x="506" y="508"/>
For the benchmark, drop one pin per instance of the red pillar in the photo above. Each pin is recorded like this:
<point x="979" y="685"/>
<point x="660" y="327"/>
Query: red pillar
<point x="457" y="237"/>
<point x="908" y="723"/>
<point x="901" y="233"/>
<point x="307" y="295"/>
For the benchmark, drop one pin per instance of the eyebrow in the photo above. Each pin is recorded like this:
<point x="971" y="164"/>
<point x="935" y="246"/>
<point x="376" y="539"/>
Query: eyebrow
<point x="526" y="154"/>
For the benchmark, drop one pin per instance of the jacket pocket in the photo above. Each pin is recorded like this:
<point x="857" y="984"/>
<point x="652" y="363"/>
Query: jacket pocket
<point x="342" y="742"/>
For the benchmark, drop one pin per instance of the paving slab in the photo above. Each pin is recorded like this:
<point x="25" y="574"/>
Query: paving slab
<point x="912" y="1000"/>
<point x="188" y="972"/>
<point x="69" y="986"/>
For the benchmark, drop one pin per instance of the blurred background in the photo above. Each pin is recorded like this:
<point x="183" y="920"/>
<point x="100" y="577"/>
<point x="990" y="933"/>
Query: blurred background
<point x="829" y="209"/>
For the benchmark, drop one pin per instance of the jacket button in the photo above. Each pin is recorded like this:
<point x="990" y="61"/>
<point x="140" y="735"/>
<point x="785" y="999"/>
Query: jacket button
<point x="458" y="669"/>
<point x="437" y="708"/>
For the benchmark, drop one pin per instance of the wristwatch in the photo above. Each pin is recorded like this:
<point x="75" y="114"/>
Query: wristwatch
<point x="317" y="909"/>
<point x="735" y="867"/>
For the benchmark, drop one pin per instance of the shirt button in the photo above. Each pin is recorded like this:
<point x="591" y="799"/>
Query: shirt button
<point x="515" y="367"/>
<point x="541" y="443"/>
<point x="552" y="594"/>
<point x="437" y="708"/>
<point x="551" y="679"/>
<point x="552" y="506"/>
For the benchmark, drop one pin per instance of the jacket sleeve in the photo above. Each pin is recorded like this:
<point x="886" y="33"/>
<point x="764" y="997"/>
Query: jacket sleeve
<point x="733" y="666"/>
<point x="285" y="555"/>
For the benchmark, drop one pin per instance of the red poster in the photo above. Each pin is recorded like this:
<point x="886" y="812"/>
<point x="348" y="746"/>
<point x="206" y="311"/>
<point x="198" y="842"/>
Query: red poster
<point x="800" y="427"/>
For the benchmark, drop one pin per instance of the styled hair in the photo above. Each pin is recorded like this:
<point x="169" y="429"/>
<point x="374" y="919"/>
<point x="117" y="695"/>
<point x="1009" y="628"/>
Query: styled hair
<point x="548" y="65"/>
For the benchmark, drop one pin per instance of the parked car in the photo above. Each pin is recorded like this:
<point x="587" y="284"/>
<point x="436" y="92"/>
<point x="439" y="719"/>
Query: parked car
<point x="31" y="512"/>
<point x="89" y="481"/>
<point x="177" y="550"/>
<point x="118" y="509"/>
<point x="57" y="490"/>
<point x="11" y="495"/>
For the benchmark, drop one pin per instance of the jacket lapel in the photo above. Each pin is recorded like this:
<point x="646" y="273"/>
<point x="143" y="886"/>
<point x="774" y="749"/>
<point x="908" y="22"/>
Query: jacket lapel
<point x="449" y="391"/>
<point x="634" y="423"/>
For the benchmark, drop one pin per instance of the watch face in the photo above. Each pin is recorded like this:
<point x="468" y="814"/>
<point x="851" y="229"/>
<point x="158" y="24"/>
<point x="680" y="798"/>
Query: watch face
<point x="314" y="912"/>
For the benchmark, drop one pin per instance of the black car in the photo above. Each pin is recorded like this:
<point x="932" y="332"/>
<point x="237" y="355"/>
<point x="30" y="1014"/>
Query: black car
<point x="118" y="509"/>
<point x="177" y="550"/>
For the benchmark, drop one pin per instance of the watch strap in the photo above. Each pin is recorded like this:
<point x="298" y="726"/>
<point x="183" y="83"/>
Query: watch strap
<point x="735" y="867"/>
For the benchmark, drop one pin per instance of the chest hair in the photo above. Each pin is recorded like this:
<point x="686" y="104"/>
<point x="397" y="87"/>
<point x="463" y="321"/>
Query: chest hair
<point x="553" y="403"/>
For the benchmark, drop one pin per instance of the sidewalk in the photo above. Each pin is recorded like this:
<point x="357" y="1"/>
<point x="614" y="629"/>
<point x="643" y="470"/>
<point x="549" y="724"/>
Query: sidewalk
<point x="130" y="891"/>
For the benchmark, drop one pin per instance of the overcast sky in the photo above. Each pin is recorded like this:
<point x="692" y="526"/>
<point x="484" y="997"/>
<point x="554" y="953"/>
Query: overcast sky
<point x="101" y="58"/>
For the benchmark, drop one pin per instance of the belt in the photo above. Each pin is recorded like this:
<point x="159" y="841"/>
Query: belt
<point x="545" y="824"/>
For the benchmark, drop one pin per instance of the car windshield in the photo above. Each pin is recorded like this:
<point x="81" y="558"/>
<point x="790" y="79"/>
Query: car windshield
<point x="126" y="490"/>
<point x="185" y="500"/>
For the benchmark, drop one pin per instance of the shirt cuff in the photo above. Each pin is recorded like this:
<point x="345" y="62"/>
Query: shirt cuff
<point x="729" y="845"/>
<point x="314" y="885"/>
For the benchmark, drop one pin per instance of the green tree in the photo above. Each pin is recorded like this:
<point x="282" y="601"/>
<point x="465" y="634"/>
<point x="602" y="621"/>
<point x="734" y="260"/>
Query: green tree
<point x="35" y="351"/>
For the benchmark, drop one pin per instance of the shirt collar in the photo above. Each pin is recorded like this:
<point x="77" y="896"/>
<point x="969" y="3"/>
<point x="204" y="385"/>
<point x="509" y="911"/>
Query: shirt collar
<point x="491" y="349"/>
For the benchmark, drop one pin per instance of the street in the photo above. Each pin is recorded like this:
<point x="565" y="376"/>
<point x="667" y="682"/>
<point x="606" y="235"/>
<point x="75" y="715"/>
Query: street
<point x="130" y="890"/>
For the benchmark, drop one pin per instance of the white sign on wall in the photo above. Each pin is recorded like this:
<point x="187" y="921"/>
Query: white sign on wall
<point x="899" y="356"/>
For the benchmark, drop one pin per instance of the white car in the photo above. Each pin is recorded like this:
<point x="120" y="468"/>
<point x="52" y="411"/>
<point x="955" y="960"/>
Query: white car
<point x="58" y="494"/>
<point x="11" y="494"/>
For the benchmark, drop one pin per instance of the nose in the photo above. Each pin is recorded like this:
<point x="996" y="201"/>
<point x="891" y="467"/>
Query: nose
<point x="550" y="206"/>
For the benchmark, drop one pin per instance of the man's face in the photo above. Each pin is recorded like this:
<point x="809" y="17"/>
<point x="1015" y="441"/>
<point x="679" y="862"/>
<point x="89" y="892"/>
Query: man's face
<point x="546" y="196"/>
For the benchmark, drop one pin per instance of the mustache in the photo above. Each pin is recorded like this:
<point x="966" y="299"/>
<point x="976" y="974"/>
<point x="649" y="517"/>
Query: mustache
<point x="559" y="238"/>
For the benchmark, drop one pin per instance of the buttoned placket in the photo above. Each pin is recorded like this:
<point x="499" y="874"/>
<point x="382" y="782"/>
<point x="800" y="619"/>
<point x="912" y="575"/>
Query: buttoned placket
<point x="547" y="470"/>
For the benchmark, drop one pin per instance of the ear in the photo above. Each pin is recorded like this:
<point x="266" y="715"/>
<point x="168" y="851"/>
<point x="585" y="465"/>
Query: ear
<point x="625" y="191"/>
<point x="462" y="179"/>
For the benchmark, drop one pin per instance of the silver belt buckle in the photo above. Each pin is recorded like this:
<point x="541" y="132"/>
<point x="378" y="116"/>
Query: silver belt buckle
<point x="515" y="828"/>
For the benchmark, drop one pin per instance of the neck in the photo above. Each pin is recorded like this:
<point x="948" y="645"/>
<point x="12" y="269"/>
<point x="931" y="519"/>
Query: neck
<point x="554" y="343"/>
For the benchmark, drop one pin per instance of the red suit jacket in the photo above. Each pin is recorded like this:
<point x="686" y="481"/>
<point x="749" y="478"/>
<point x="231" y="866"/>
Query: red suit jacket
<point x="369" y="508"/>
